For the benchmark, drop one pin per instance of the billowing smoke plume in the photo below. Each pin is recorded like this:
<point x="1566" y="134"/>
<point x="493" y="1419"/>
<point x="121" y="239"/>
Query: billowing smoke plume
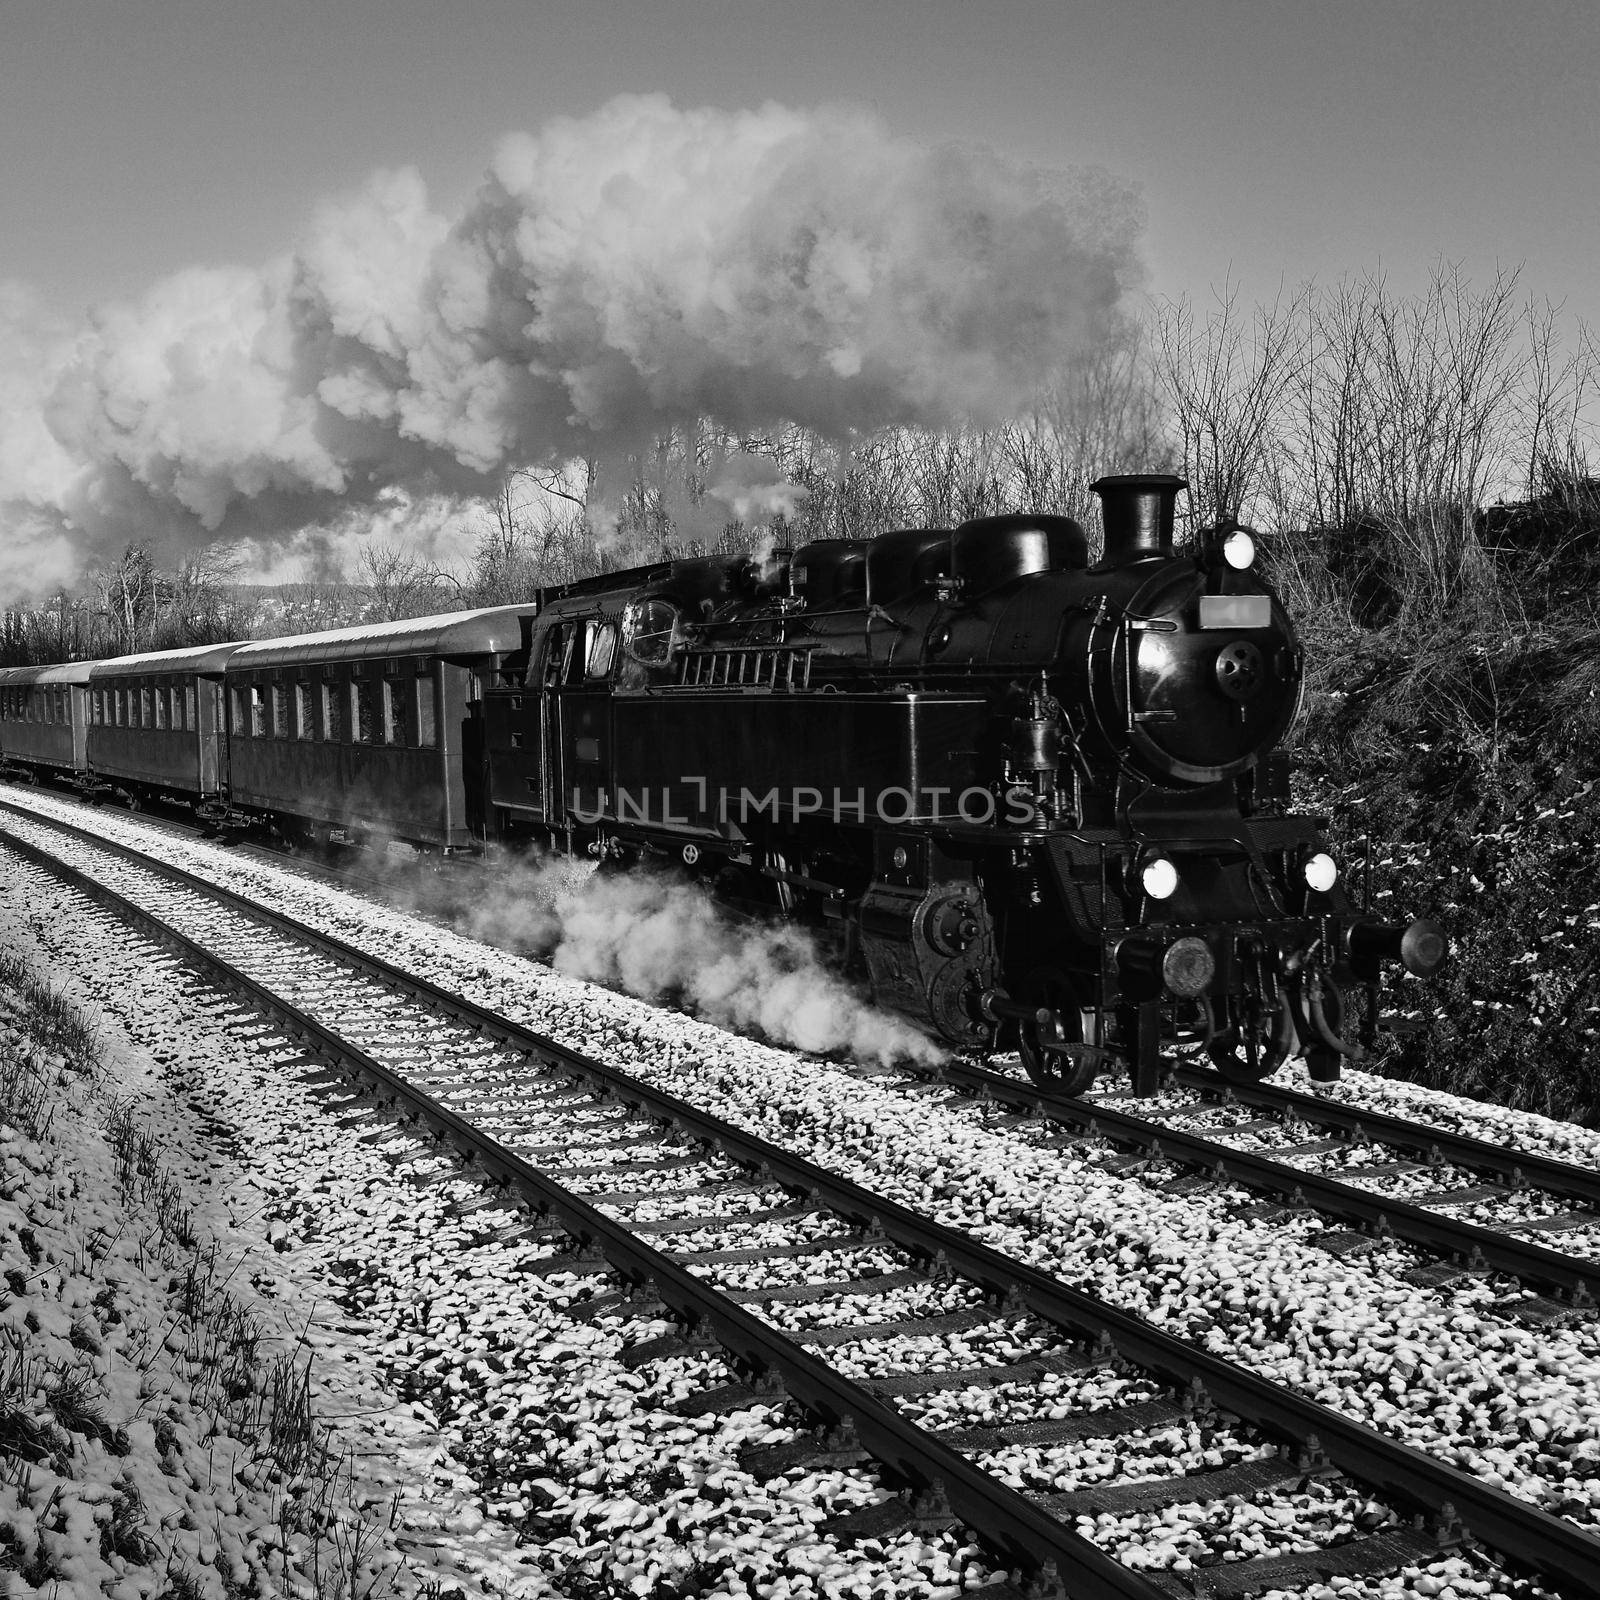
<point x="656" y="936"/>
<point x="614" y="276"/>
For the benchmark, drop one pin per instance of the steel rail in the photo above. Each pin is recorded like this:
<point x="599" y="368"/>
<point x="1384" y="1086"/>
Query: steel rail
<point x="1471" y="1243"/>
<point x="1012" y="1526"/>
<point x="1517" y="1167"/>
<point x="1544" y="1172"/>
<point x="1523" y="1533"/>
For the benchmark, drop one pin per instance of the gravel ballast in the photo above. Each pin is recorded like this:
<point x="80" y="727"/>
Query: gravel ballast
<point x="1443" y="1373"/>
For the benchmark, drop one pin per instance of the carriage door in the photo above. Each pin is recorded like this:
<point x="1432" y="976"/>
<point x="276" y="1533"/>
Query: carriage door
<point x="582" y="654"/>
<point x="212" y="733"/>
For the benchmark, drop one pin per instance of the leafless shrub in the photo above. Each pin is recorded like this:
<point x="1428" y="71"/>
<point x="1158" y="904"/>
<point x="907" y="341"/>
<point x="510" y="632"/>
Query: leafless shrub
<point x="1224" y="380"/>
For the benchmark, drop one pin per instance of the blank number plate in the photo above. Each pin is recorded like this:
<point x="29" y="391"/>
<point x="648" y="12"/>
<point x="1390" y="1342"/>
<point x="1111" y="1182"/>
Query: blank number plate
<point x="1235" y="611"/>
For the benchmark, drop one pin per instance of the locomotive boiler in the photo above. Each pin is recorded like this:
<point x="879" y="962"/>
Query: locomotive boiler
<point x="1030" y="799"/>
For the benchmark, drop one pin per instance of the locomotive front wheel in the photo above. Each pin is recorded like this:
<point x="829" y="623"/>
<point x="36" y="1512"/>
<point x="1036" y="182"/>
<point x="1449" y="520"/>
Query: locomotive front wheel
<point x="1244" y="1053"/>
<point x="1059" y="1071"/>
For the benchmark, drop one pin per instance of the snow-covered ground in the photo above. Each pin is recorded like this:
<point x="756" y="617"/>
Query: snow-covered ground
<point x="1439" y="1370"/>
<point x="494" y="1444"/>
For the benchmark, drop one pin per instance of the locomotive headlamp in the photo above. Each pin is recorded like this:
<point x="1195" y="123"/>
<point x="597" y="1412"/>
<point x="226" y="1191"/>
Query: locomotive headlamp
<point x="1321" y="871"/>
<point x="1239" y="550"/>
<point x="1159" y="877"/>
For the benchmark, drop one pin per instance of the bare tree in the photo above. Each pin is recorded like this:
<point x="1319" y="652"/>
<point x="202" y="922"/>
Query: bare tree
<point x="126" y="592"/>
<point x="401" y="585"/>
<point x="203" y="602"/>
<point x="1225" y="380"/>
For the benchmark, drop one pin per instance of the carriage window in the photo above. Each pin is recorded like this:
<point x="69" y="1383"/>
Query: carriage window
<point x="364" y="711"/>
<point x="118" y="710"/>
<point x="179" y="720"/>
<point x="305" y="724"/>
<point x="161" y="708"/>
<point x="330" y="709"/>
<point x="147" y="718"/>
<point x="280" y="711"/>
<point x="427" y="711"/>
<point x="236" y="710"/>
<point x="188" y="705"/>
<point x="602" y="646"/>
<point x="258" y="712"/>
<point x="393" y="705"/>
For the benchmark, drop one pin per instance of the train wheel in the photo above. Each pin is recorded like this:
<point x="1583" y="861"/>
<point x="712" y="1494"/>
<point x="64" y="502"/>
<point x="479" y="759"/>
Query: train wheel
<point x="1059" y="1071"/>
<point x="1243" y="1051"/>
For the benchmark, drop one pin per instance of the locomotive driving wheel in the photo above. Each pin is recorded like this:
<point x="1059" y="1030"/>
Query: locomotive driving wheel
<point x="1046" y="1040"/>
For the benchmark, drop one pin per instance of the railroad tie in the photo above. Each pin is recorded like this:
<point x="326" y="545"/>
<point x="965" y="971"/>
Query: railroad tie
<point x="903" y="1385"/>
<point x="833" y="1447"/>
<point x="1562" y="1222"/>
<point x="905" y="1328"/>
<point x="922" y="1511"/>
<point x="1460" y="1197"/>
<point x="1373" y="1556"/>
<point x="755" y="1254"/>
<point x="1157" y="1494"/>
<point x="802" y="1293"/>
<point x="790" y="1212"/>
<point x="1140" y="1417"/>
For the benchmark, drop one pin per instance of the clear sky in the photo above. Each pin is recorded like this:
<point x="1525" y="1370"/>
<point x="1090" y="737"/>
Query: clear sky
<point x="1270" y="138"/>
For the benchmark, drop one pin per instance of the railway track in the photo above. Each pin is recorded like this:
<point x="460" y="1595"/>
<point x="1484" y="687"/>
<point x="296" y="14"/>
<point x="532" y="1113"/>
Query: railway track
<point x="884" y="1355"/>
<point x="1445" y="1172"/>
<point x="1184" y="1154"/>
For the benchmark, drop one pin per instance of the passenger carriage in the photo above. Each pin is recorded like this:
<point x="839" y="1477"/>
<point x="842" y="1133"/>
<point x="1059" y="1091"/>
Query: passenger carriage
<point x="156" y="728"/>
<point x="43" y="720"/>
<point x="370" y="731"/>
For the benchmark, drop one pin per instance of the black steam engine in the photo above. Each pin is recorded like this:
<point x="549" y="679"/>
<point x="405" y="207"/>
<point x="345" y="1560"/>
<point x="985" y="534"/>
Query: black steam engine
<point x="1034" y="799"/>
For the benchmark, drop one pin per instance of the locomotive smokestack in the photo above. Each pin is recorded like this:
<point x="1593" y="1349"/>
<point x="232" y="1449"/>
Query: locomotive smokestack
<point x="1137" y="510"/>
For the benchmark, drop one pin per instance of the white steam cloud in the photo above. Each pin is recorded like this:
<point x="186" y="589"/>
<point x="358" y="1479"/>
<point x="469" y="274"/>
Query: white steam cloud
<point x="663" y="939"/>
<point x="614" y="276"/>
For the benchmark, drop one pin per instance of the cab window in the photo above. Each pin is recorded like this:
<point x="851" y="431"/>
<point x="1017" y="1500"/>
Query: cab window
<point x="600" y="646"/>
<point x="558" y="652"/>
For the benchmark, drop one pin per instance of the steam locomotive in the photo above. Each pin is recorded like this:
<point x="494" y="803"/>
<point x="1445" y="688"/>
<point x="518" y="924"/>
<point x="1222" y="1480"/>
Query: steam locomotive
<point x="1029" y="798"/>
<point x="1031" y="801"/>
